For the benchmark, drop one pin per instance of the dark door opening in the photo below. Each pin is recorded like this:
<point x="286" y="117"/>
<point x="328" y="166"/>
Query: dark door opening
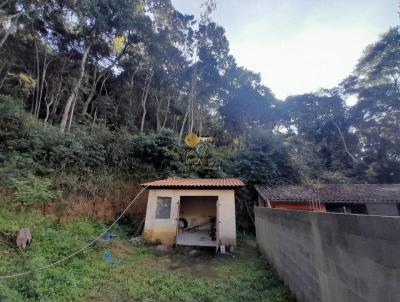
<point x="351" y="208"/>
<point x="197" y="221"/>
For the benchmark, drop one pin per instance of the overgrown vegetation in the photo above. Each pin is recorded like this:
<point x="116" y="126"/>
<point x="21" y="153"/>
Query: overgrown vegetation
<point x="111" y="85"/>
<point x="99" y="92"/>
<point x="90" y="161"/>
<point x="32" y="190"/>
<point x="141" y="274"/>
<point x="51" y="242"/>
<point x="116" y="74"/>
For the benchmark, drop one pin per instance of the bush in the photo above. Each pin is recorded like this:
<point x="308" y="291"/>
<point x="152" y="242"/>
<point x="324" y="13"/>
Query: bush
<point x="12" y="118"/>
<point x="32" y="190"/>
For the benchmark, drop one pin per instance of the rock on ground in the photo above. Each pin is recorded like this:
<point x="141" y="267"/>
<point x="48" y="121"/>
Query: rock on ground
<point x="24" y="238"/>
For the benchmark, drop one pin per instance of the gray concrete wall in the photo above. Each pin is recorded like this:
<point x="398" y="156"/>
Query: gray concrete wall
<point x="332" y="257"/>
<point x="385" y="209"/>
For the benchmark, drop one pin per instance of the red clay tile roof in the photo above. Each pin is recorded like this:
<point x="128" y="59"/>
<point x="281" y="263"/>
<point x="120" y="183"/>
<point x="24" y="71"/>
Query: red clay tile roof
<point x="195" y="183"/>
<point x="339" y="193"/>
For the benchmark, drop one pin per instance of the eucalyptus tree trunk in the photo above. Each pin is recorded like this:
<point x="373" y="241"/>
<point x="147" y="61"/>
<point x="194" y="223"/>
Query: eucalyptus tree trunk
<point x="91" y="93"/>
<point x="71" y="116"/>
<point x="53" y="101"/>
<point x="48" y="105"/>
<point x="144" y="101"/>
<point x="166" y="114"/>
<point x="57" y="100"/>
<point x="75" y="90"/>
<point x="192" y="99"/>
<point x="4" y="66"/>
<point x="41" y="83"/>
<point x="36" y="90"/>
<point x="96" y="79"/>
<point x="184" y="122"/>
<point x="4" y="78"/>
<point x="201" y="113"/>
<point x="346" y="148"/>
<point x="158" y="112"/>
<point x="174" y="124"/>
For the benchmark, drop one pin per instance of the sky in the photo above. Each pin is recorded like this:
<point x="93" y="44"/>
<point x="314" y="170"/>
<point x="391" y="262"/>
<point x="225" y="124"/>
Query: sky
<point x="300" y="46"/>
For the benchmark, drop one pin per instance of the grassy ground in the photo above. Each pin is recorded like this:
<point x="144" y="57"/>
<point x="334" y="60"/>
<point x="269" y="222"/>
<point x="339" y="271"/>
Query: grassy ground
<point x="142" y="274"/>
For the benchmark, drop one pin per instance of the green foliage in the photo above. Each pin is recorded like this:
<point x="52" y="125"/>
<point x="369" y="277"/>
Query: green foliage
<point x="12" y="119"/>
<point x="165" y="75"/>
<point x="375" y="118"/>
<point x="265" y="161"/>
<point x="32" y="190"/>
<point x="142" y="275"/>
<point x="126" y="71"/>
<point x="168" y="75"/>
<point x="51" y="241"/>
<point x="247" y="103"/>
<point x="88" y="160"/>
<point x="319" y="136"/>
<point x="268" y="152"/>
<point x="91" y="160"/>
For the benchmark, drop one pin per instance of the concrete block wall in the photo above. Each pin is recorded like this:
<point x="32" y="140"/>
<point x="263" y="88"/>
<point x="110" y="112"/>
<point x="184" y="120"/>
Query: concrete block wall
<point x="332" y="257"/>
<point x="383" y="209"/>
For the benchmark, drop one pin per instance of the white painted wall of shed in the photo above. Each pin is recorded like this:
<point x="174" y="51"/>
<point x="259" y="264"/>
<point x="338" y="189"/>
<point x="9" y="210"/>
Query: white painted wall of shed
<point x="165" y="229"/>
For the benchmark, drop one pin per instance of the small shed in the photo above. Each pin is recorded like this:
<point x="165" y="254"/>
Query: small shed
<point x="195" y="212"/>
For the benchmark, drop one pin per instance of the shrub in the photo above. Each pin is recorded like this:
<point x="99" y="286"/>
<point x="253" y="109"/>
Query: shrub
<point x="32" y="190"/>
<point x="12" y="118"/>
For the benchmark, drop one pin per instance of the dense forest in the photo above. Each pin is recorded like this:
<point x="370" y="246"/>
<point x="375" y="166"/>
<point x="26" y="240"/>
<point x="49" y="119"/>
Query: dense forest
<point x="95" y="92"/>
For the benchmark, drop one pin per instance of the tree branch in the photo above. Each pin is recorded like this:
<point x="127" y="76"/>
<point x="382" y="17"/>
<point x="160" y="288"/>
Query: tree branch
<point x="344" y="143"/>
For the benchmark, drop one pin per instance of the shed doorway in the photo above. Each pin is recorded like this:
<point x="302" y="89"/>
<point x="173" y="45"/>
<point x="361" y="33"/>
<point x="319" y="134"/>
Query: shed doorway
<point x="197" y="221"/>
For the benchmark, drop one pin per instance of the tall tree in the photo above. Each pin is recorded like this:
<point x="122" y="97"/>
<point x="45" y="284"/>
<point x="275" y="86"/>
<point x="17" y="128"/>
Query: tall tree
<point x="318" y="121"/>
<point x="95" y="25"/>
<point x="376" y="115"/>
<point x="246" y="103"/>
